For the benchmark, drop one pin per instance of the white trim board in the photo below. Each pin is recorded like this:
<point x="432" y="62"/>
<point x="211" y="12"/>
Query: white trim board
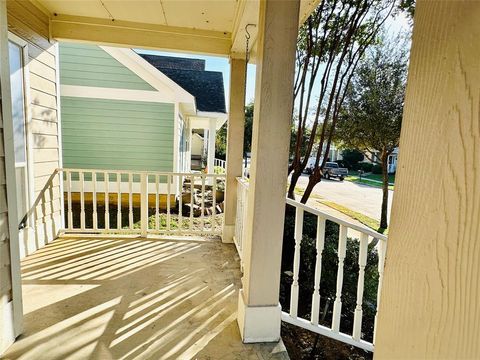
<point x="150" y="74"/>
<point x="114" y="94"/>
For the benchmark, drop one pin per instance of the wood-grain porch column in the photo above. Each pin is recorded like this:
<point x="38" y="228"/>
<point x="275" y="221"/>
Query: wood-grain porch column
<point x="259" y="310"/>
<point x="430" y="305"/>
<point x="235" y="135"/>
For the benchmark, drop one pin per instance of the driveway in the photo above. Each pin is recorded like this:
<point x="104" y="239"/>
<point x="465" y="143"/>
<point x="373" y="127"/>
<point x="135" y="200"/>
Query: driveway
<point x="361" y="198"/>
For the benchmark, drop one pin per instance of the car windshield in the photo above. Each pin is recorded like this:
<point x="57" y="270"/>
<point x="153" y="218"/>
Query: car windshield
<point x="332" y="165"/>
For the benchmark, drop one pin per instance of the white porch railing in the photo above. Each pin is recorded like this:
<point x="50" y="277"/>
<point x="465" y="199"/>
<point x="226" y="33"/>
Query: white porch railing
<point x="241" y="214"/>
<point x="220" y="163"/>
<point x="365" y="236"/>
<point x="143" y="202"/>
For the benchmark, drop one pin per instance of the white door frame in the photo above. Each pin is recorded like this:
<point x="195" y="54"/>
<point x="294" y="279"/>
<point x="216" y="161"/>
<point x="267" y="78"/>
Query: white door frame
<point x="10" y="173"/>
<point x="30" y="179"/>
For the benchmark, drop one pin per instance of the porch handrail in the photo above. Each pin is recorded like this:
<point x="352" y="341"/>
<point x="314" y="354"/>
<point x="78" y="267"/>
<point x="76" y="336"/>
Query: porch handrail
<point x="366" y="237"/>
<point x="40" y="196"/>
<point x="172" y="203"/>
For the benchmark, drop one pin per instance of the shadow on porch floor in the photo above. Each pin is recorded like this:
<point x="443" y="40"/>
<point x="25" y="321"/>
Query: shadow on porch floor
<point x="133" y="299"/>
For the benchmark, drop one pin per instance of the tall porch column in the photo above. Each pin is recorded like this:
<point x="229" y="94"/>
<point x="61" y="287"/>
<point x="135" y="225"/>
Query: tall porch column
<point x="212" y="132"/>
<point x="235" y="133"/>
<point x="430" y="307"/>
<point x="259" y="310"/>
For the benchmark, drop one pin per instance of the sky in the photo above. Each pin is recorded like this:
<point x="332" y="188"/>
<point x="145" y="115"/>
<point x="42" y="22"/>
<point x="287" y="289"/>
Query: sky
<point x="216" y="63"/>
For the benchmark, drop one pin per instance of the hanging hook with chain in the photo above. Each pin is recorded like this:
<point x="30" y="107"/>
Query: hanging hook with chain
<point x="247" y="39"/>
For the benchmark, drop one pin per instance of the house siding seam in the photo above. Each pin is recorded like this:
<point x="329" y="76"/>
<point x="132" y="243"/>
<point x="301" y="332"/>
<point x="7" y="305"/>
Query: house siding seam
<point x="89" y="65"/>
<point x="117" y="134"/>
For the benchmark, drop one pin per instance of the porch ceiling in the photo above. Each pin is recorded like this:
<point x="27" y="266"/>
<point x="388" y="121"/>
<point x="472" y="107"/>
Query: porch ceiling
<point x="198" y="26"/>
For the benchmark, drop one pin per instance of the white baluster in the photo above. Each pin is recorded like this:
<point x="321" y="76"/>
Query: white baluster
<point x="180" y="200"/>
<point x="94" y="200"/>
<point x="214" y="203"/>
<point x="202" y="217"/>
<point x="81" y="178"/>
<point x="144" y="204"/>
<point x="296" y="262"/>
<point x="382" y="249"/>
<point x="119" y="201"/>
<point x="337" y="305"/>
<point x="318" y="270"/>
<point x="130" y="201"/>
<point x="107" y="205"/>
<point x="157" y="205"/>
<point x="69" y="199"/>
<point x="362" y="262"/>
<point x="169" y="180"/>
<point x="192" y="180"/>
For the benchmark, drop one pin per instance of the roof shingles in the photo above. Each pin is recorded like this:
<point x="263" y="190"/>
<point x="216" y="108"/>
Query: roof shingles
<point x="205" y="86"/>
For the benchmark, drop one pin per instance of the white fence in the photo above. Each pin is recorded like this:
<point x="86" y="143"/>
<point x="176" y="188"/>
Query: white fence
<point x="363" y="236"/>
<point x="220" y="163"/>
<point x="123" y="201"/>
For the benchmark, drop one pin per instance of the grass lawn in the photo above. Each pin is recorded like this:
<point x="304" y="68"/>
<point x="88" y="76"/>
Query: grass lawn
<point x="367" y="180"/>
<point x="378" y="177"/>
<point x="364" y="219"/>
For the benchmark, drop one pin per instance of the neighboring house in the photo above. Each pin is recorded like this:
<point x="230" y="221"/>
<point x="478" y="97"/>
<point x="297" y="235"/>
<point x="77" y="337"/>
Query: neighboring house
<point x="106" y="93"/>
<point x="198" y="150"/>
<point x="392" y="159"/>
<point x="208" y="89"/>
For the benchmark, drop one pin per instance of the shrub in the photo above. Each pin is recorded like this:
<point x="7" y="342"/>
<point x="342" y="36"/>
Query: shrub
<point x="376" y="169"/>
<point x="308" y="255"/>
<point x="352" y="157"/>
<point x="366" y="167"/>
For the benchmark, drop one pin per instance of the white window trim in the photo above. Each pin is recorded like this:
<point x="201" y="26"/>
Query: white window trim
<point x="28" y="126"/>
<point x="104" y="93"/>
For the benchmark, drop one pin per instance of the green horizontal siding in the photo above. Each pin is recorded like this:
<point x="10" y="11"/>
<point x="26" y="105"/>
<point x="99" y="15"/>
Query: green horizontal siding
<point x="89" y="65"/>
<point x="117" y="134"/>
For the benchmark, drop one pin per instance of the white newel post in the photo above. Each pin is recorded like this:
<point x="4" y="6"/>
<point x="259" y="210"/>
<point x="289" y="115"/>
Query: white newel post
<point x="259" y="311"/>
<point x="235" y="134"/>
<point x="212" y="132"/>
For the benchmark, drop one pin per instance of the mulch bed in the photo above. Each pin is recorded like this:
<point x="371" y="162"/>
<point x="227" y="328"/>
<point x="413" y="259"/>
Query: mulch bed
<point x="299" y="343"/>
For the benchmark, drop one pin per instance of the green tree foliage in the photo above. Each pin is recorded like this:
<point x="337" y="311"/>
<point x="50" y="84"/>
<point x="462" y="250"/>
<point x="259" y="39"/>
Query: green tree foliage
<point x="352" y="157"/>
<point x="221" y="139"/>
<point x="371" y="116"/>
<point x="407" y="6"/>
<point x="329" y="47"/>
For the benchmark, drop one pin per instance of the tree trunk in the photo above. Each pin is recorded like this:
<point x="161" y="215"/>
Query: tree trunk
<point x="383" y="218"/>
<point x="313" y="180"/>
<point x="297" y="172"/>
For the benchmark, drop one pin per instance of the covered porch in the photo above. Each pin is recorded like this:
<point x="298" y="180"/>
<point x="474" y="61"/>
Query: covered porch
<point x="130" y="298"/>
<point x="83" y="295"/>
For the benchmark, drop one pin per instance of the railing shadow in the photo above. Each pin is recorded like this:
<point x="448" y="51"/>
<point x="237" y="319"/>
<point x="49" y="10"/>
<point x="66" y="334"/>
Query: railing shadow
<point x="127" y="298"/>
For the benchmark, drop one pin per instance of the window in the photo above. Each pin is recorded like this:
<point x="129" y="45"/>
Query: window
<point x="17" y="77"/>
<point x="18" y="102"/>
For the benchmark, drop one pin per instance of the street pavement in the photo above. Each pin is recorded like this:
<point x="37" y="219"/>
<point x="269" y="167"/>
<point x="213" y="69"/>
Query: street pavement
<point x="358" y="197"/>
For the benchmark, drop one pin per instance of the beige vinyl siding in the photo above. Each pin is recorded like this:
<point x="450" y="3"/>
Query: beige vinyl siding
<point x="42" y="93"/>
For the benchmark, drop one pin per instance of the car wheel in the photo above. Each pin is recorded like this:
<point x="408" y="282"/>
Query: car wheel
<point x="341" y="178"/>
<point x="327" y="176"/>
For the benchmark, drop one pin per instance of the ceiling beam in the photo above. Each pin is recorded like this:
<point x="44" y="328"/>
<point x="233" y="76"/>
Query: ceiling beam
<point x="139" y="35"/>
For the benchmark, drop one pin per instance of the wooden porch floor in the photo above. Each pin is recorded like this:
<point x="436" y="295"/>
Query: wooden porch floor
<point x="93" y="298"/>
